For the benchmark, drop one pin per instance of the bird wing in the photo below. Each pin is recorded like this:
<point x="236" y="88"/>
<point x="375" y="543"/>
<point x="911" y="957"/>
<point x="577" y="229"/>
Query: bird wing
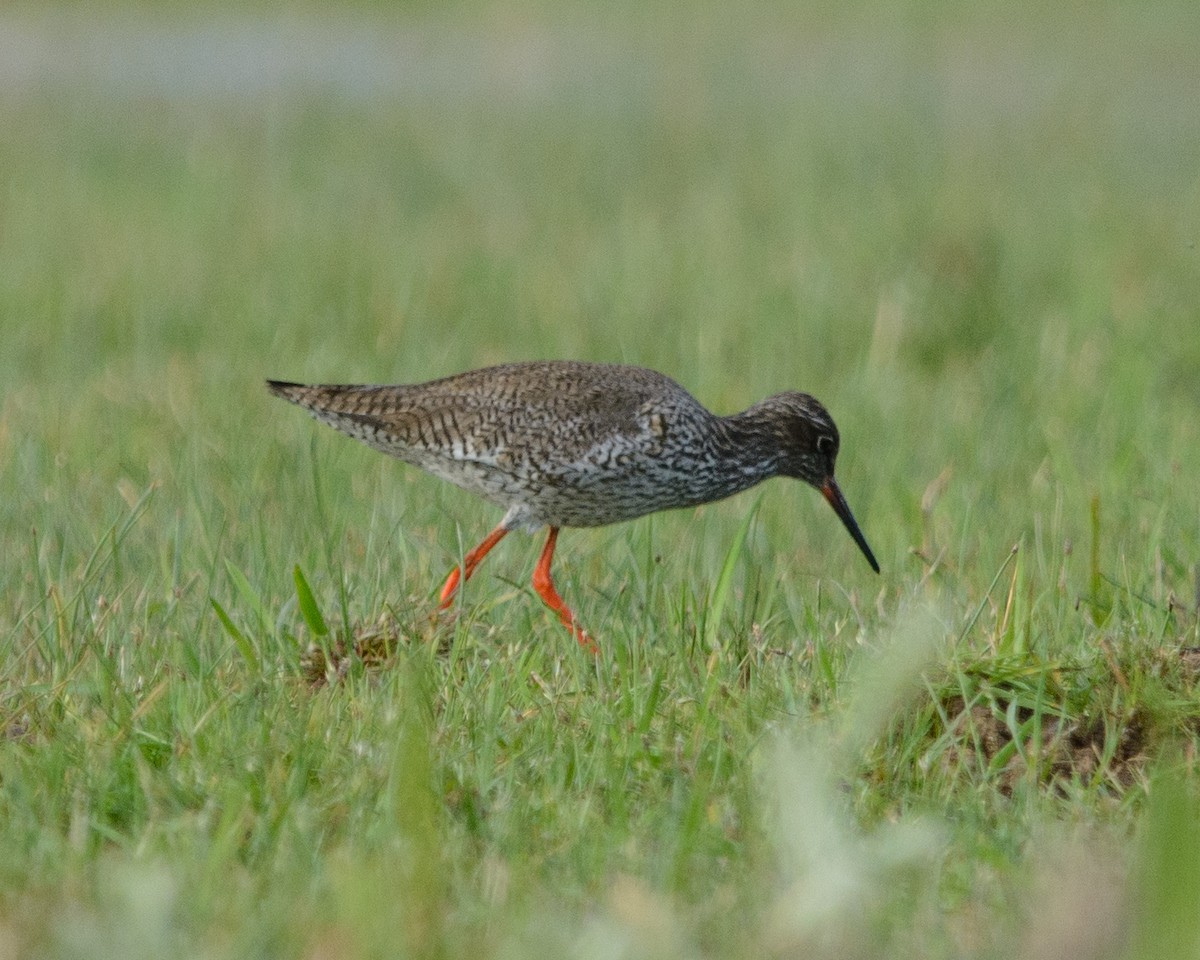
<point x="541" y="414"/>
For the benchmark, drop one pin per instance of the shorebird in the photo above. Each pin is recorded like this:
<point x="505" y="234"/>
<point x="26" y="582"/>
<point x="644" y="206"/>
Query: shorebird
<point x="571" y="444"/>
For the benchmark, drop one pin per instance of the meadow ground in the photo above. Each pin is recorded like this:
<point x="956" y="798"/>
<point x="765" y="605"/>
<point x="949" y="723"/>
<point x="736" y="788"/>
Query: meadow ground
<point x="975" y="239"/>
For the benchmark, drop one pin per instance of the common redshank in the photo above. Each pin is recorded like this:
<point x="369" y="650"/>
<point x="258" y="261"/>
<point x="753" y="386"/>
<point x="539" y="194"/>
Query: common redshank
<point x="569" y="444"/>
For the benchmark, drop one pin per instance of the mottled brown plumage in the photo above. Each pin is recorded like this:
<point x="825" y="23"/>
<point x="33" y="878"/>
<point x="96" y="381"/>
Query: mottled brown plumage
<point x="570" y="444"/>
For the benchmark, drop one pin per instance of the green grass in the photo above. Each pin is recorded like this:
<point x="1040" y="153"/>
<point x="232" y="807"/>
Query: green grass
<point x="974" y="239"/>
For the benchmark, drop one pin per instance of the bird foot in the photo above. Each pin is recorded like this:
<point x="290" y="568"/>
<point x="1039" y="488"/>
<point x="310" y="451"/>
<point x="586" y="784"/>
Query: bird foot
<point x="585" y="639"/>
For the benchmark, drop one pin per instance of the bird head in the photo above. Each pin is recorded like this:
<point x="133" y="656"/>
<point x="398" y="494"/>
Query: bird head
<point x="808" y="443"/>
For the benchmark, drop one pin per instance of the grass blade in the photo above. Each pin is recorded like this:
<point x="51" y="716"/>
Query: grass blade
<point x="725" y="580"/>
<point x="250" y="595"/>
<point x="308" y="604"/>
<point x="987" y="594"/>
<point x="1099" y="604"/>
<point x="244" y="644"/>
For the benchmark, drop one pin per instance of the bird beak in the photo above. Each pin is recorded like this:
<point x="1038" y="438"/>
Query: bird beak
<point x="830" y="489"/>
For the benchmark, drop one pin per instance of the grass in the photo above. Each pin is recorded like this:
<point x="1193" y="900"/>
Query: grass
<point x="228" y="725"/>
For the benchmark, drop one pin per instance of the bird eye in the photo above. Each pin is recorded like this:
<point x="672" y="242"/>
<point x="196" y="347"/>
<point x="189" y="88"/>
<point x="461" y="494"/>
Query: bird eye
<point x="825" y="444"/>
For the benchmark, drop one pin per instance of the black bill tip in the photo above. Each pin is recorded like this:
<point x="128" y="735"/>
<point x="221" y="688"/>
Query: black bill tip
<point x="834" y="495"/>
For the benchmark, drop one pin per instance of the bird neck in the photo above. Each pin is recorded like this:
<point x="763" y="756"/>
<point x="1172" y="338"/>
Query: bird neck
<point x="746" y="448"/>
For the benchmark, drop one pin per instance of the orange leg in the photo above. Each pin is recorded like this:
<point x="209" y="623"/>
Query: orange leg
<point x="543" y="583"/>
<point x="470" y="562"/>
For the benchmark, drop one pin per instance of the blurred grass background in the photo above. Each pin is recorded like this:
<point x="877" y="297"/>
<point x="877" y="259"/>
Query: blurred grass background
<point x="971" y="233"/>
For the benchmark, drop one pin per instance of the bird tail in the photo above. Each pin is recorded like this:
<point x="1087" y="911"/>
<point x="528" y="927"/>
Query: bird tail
<point x="286" y="390"/>
<point x="335" y="398"/>
<point x="351" y="409"/>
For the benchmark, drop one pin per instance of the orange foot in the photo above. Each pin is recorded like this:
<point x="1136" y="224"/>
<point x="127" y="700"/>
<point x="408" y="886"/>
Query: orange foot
<point x="543" y="583"/>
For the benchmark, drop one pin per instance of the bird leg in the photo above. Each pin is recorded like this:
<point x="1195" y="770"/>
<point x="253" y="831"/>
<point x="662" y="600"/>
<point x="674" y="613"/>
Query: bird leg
<point x="470" y="562"/>
<point x="543" y="583"/>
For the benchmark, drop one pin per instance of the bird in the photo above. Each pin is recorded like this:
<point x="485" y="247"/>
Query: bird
<point x="565" y="443"/>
